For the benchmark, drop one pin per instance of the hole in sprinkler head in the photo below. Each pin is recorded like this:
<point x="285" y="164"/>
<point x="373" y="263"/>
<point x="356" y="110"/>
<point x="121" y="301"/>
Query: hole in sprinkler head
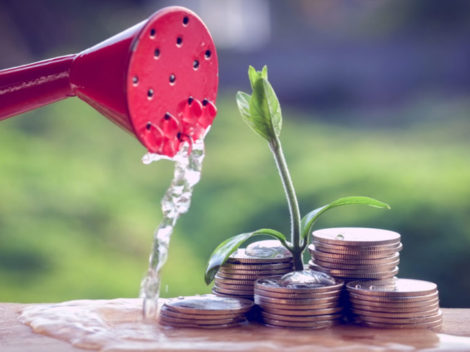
<point x="196" y="64"/>
<point x="156" y="53"/>
<point x="135" y="80"/>
<point x="172" y="78"/>
<point x="185" y="20"/>
<point x="152" y="32"/>
<point x="179" y="135"/>
<point x="167" y="116"/>
<point x="205" y="102"/>
<point x="150" y="93"/>
<point x="148" y="126"/>
<point x="179" y="41"/>
<point x="190" y="100"/>
<point x="208" y="54"/>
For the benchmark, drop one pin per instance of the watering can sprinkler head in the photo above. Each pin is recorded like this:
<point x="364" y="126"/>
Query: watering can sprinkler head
<point x="157" y="80"/>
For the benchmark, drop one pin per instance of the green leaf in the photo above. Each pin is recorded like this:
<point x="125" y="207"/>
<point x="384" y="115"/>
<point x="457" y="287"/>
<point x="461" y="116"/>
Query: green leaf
<point x="254" y="75"/>
<point x="220" y="255"/>
<point x="243" y="102"/>
<point x="265" y="110"/>
<point x="309" y="220"/>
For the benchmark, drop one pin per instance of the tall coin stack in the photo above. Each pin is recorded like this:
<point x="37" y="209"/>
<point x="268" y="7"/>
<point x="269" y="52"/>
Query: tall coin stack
<point x="236" y="278"/>
<point x="302" y="299"/>
<point x="405" y="303"/>
<point x="205" y="312"/>
<point x="356" y="253"/>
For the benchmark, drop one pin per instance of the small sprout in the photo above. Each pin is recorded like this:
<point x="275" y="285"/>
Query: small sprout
<point x="262" y="112"/>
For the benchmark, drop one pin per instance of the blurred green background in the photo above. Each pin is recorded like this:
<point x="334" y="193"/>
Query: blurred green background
<point x="362" y="116"/>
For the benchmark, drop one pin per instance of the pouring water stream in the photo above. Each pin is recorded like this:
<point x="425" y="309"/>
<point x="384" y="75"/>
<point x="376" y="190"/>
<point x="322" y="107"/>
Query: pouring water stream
<point x="175" y="202"/>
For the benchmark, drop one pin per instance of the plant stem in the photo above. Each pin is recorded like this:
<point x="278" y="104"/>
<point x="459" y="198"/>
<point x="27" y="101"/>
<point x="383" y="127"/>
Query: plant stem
<point x="292" y="202"/>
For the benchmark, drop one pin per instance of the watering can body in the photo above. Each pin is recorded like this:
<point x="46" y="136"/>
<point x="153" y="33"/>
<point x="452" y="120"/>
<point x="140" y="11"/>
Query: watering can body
<point x="157" y="80"/>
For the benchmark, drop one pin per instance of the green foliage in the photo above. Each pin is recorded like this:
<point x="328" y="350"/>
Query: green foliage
<point x="261" y="111"/>
<point x="307" y="222"/>
<point x="220" y="255"/>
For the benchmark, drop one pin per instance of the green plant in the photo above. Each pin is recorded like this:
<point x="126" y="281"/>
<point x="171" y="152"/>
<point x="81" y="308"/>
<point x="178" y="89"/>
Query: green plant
<point x="262" y="112"/>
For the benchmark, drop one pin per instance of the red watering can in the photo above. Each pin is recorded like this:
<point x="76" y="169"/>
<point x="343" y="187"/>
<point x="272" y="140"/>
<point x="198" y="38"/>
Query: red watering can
<point x="157" y="80"/>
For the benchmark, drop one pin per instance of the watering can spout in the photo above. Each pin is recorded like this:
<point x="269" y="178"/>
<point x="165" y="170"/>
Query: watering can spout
<point x="157" y="80"/>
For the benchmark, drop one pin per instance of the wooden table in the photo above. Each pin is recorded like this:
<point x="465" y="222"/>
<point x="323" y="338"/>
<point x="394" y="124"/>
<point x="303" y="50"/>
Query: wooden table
<point x="455" y="335"/>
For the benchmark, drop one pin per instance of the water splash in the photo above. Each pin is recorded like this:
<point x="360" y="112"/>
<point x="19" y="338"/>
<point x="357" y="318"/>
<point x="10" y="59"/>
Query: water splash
<point x="118" y="326"/>
<point x="176" y="201"/>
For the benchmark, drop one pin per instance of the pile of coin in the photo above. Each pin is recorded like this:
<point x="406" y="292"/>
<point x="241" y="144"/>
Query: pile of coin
<point x="302" y="299"/>
<point x="402" y="303"/>
<point x="205" y="311"/>
<point x="237" y="276"/>
<point x="356" y="253"/>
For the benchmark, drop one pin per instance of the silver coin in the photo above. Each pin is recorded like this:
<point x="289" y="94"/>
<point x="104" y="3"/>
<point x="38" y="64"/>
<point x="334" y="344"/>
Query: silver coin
<point x="356" y="236"/>
<point x="296" y="312"/>
<point x="208" y="304"/>
<point x="275" y="284"/>
<point x="240" y="256"/>
<point x="402" y="287"/>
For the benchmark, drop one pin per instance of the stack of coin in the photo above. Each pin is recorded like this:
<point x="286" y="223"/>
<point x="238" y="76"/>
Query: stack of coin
<point x="237" y="276"/>
<point x="302" y="299"/>
<point x="356" y="253"/>
<point x="205" y="311"/>
<point x="405" y="303"/>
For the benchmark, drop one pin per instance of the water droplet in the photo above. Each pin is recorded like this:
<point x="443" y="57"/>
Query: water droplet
<point x="339" y="237"/>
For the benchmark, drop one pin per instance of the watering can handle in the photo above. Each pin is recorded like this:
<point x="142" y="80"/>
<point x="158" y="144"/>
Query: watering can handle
<point x="28" y="87"/>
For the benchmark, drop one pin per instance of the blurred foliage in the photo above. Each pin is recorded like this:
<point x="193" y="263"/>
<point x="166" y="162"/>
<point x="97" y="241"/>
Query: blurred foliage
<point x="78" y="208"/>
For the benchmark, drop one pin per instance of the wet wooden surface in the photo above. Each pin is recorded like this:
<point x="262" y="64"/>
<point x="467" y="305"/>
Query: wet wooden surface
<point x="16" y="337"/>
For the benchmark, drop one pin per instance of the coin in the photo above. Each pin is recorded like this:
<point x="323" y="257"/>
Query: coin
<point x="233" y="281"/>
<point x="394" y="307"/>
<point x="356" y="267"/>
<point x="303" y="325"/>
<point x="410" y="320"/>
<point x="167" y="312"/>
<point x="268" y="266"/>
<point x="238" y="292"/>
<point x="267" y="249"/>
<point x="234" y="286"/>
<point x="274" y="284"/>
<point x="199" y="326"/>
<point x="381" y="251"/>
<point x="243" y="277"/>
<point x="354" y="259"/>
<point x="220" y="294"/>
<point x="405" y="314"/>
<point x="359" y="274"/>
<point x="302" y="311"/>
<point x="436" y="326"/>
<point x="356" y="236"/>
<point x="394" y="299"/>
<point x="301" y="317"/>
<point x="224" y="271"/>
<point x="209" y="304"/>
<point x="269" y="305"/>
<point x="296" y="295"/>
<point x="402" y="287"/>
<point x="240" y="257"/>
<point x="296" y="301"/>
<point x="167" y="318"/>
